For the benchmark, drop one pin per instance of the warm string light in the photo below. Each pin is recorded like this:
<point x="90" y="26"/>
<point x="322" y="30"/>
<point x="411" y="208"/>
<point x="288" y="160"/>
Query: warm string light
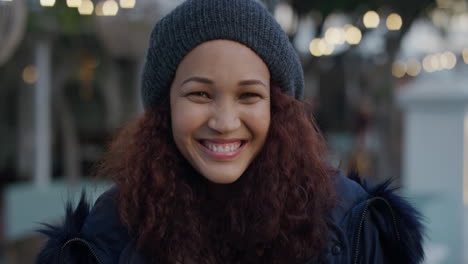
<point x="399" y="69"/>
<point x="98" y="9"/>
<point x="394" y="22"/>
<point x="430" y="63"/>
<point x="313" y="48"/>
<point x="74" y="3"/>
<point x="427" y="64"/>
<point x="107" y="8"/>
<point x="110" y="8"/>
<point x="47" y="3"/>
<point x="448" y="60"/>
<point x="439" y="61"/>
<point x="30" y="74"/>
<point x="127" y="3"/>
<point x="371" y="19"/>
<point x="319" y="47"/>
<point x="350" y="34"/>
<point x="353" y="35"/>
<point x="335" y="36"/>
<point x="465" y="55"/>
<point x="413" y="67"/>
<point x="86" y="8"/>
<point x="329" y="48"/>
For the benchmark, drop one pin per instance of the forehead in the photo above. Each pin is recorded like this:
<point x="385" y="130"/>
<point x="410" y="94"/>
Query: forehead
<point x="223" y="59"/>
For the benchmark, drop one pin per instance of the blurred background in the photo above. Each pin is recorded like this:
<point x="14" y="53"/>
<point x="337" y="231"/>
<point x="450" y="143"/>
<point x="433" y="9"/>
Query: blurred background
<point x="387" y="81"/>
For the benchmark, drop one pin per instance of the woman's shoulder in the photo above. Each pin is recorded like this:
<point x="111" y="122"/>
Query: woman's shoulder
<point x="349" y="194"/>
<point x="374" y="224"/>
<point x="86" y="235"/>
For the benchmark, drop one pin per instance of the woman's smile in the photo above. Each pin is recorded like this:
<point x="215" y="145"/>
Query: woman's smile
<point x="222" y="149"/>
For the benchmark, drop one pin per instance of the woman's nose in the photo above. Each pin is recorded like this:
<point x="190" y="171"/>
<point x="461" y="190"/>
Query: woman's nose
<point x="224" y="119"/>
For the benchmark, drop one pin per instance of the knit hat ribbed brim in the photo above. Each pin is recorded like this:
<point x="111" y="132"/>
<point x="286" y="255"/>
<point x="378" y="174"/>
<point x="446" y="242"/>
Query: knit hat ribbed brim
<point x="197" y="21"/>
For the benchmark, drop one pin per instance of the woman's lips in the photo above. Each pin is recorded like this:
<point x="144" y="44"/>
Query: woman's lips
<point x="222" y="149"/>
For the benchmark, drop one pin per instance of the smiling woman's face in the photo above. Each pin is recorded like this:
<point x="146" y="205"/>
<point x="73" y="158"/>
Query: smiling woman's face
<point x="220" y="108"/>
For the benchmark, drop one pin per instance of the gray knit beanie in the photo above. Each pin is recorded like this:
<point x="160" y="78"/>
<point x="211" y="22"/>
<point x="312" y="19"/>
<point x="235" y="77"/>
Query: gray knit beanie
<point x="197" y="21"/>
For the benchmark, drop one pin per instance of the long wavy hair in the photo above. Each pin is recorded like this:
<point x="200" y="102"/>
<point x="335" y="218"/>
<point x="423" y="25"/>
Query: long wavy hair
<point x="275" y="213"/>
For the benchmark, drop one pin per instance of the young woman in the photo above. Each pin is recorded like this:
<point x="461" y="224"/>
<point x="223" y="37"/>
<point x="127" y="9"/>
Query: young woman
<point x="225" y="166"/>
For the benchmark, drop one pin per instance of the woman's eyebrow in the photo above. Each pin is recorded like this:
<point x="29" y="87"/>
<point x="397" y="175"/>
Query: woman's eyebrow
<point x="208" y="81"/>
<point x="198" y="79"/>
<point x="252" y="82"/>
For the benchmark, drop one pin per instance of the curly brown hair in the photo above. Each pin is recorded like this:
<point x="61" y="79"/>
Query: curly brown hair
<point x="275" y="213"/>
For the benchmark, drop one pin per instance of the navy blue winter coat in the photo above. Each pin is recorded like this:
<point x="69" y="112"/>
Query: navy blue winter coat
<point x="368" y="225"/>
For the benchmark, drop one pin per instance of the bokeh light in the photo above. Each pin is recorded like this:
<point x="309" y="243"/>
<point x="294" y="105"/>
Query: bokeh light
<point x="110" y="8"/>
<point x="329" y="48"/>
<point x="47" y="3"/>
<point x="322" y="45"/>
<point x="314" y="48"/>
<point x="427" y="65"/>
<point x="448" y="60"/>
<point x="107" y="8"/>
<point x="465" y="55"/>
<point x="86" y="7"/>
<point x="335" y="36"/>
<point x="394" y="21"/>
<point x="30" y="74"/>
<point x="371" y="19"/>
<point x="98" y="9"/>
<point x="353" y="35"/>
<point x="74" y="3"/>
<point x="398" y="69"/>
<point x="127" y="3"/>
<point x="435" y="62"/>
<point x="413" y="67"/>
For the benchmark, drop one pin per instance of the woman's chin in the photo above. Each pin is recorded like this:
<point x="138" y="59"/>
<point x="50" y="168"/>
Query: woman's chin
<point x="222" y="179"/>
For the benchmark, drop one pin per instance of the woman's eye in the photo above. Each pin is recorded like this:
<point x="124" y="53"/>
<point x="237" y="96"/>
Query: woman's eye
<point x="199" y="97"/>
<point x="199" y="94"/>
<point x="250" y="96"/>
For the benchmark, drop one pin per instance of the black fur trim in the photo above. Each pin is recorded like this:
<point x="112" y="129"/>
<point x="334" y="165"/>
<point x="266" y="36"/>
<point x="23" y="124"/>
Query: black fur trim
<point x="58" y="235"/>
<point x="407" y="248"/>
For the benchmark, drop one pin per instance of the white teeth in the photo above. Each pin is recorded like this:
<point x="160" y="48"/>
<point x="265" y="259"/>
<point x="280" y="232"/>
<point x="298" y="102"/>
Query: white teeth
<point x="222" y="148"/>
